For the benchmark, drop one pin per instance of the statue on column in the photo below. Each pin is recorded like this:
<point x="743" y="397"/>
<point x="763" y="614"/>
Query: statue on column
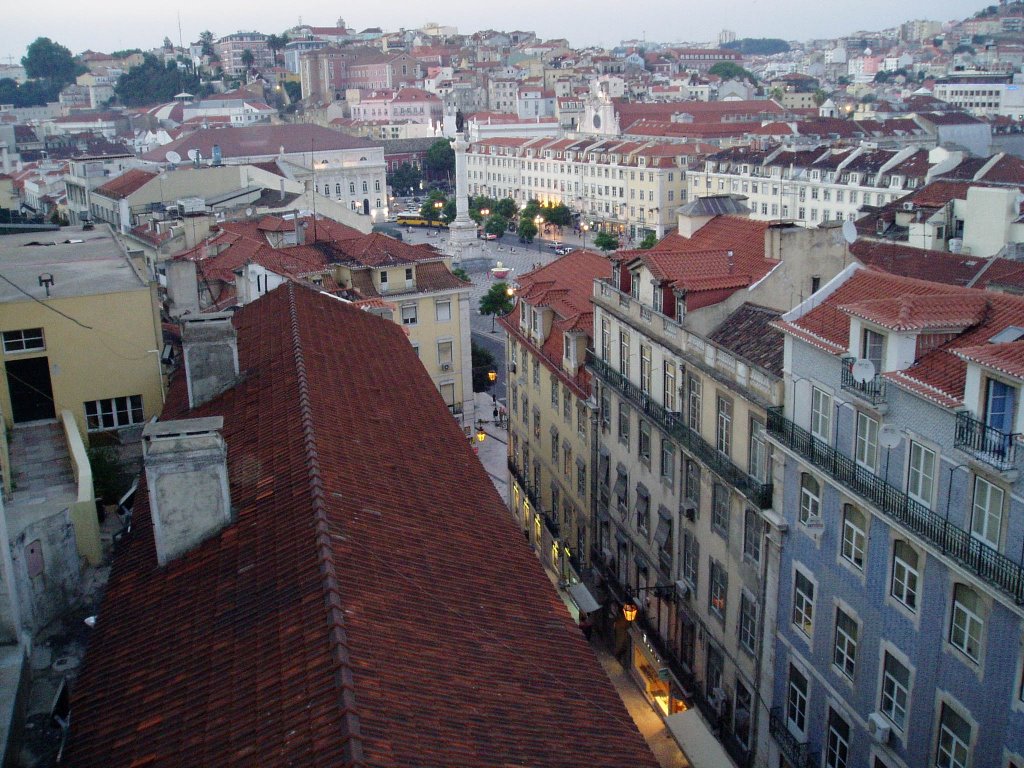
<point x="460" y="121"/>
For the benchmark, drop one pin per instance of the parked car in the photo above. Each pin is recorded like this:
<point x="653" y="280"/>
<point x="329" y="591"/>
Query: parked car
<point x="564" y="250"/>
<point x="490" y="236"/>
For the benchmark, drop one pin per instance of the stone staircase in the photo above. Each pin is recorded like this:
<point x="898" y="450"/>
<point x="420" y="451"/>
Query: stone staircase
<point x="40" y="464"/>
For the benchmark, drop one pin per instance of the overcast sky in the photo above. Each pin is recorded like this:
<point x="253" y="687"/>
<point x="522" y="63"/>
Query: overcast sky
<point x="117" y="24"/>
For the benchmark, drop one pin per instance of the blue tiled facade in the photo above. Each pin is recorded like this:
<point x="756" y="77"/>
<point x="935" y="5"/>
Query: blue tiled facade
<point x="850" y="702"/>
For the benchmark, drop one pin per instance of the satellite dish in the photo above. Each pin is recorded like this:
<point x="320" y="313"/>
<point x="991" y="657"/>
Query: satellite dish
<point x="173" y="157"/>
<point x="863" y="371"/>
<point x="888" y="436"/>
<point x="248" y="211"/>
<point x="849" y="232"/>
<point x="193" y="154"/>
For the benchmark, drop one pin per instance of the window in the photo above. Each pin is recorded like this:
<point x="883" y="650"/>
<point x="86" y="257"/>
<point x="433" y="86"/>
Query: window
<point x="645" y="442"/>
<point x="987" y="512"/>
<point x="113" y="413"/>
<point x="692" y="490"/>
<point x="384" y="280"/>
<point x="669" y="387"/>
<point x="27" y="340"/>
<point x="606" y="340"/>
<point x="758" y="453"/>
<point x="810" y="499"/>
<point x="352" y="189"/>
<point x="624" y="353"/>
<point x="718" y="591"/>
<point x="567" y="405"/>
<point x="668" y="461"/>
<point x="953" y="748"/>
<point x="554" y="391"/>
<point x="895" y="690"/>
<point x="536" y="373"/>
<point x="966" y="624"/>
<point x="867" y="442"/>
<point x="624" y="423"/>
<point x="844" y="655"/>
<point x="444" y="353"/>
<point x="748" y="624"/>
<point x="364" y="187"/>
<point x="443" y="311"/>
<point x="999" y="413"/>
<point x="536" y="422"/>
<point x="337" y="189"/>
<point x="691" y="559"/>
<point x="724" y="433"/>
<point x="581" y="479"/>
<point x="741" y="716"/>
<point x="643" y="510"/>
<point x="796" y="701"/>
<point x="408" y="314"/>
<point x="645" y="369"/>
<point x="448" y="394"/>
<point x="720" y="510"/>
<point x="873" y="348"/>
<point x="837" y="751"/>
<point x="821" y="414"/>
<point x="921" y="475"/>
<point x="854" y="535"/>
<point x="803" y="603"/>
<point x="554" y="446"/>
<point x="581" y="420"/>
<point x="752" y="530"/>
<point x="694" y="403"/>
<point x="904" y="574"/>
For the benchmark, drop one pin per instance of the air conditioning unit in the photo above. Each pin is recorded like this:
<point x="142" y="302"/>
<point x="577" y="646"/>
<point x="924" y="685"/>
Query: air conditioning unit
<point x="879" y="727"/>
<point x="908" y="206"/>
<point x="446" y="366"/>
<point x="512" y="367"/>
<point x="717" y="700"/>
<point x="682" y="589"/>
<point x="814" y="524"/>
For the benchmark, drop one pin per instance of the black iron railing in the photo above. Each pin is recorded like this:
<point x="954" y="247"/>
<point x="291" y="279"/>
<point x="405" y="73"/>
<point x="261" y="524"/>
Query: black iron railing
<point x="984" y="442"/>
<point x="977" y="557"/>
<point x="797" y="753"/>
<point x="872" y="390"/>
<point x="551" y="524"/>
<point x="532" y="493"/>
<point x="758" y="492"/>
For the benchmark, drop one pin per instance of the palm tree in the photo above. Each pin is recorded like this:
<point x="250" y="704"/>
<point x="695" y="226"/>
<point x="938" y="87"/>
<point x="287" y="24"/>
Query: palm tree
<point x="248" y="59"/>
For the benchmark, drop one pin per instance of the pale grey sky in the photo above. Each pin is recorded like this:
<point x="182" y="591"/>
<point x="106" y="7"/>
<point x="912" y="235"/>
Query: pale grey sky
<point x="118" y="24"/>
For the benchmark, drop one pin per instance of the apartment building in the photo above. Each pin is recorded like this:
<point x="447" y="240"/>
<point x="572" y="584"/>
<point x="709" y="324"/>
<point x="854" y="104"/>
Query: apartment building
<point x="811" y="186"/>
<point x="552" y="419"/>
<point x="900" y="623"/>
<point x="626" y="187"/>
<point x="231" y="47"/>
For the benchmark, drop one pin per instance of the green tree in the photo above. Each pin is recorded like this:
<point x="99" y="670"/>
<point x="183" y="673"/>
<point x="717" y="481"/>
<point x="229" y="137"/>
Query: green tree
<point x="50" y="61"/>
<point x="462" y="274"/>
<point x="206" y="40"/>
<point x="531" y="210"/>
<point x="28" y="94"/>
<point x="497" y="301"/>
<point x="153" y="82"/>
<point x="440" y="158"/>
<point x="506" y="207"/>
<point x="820" y="97"/>
<point x="404" y="178"/>
<point x="649" y="241"/>
<point x="729" y="70"/>
<point x="496" y="225"/>
<point x="559" y="215"/>
<point x="247" y="58"/>
<point x="478" y="204"/>
<point x="527" y="230"/>
<point x="606" y="241"/>
<point x="276" y="43"/>
<point x="483" y="362"/>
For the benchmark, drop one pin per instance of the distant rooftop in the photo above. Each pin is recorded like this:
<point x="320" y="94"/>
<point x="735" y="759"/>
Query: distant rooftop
<point x="82" y="264"/>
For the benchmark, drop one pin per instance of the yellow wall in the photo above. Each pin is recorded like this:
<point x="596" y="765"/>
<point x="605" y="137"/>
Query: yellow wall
<point x="110" y="358"/>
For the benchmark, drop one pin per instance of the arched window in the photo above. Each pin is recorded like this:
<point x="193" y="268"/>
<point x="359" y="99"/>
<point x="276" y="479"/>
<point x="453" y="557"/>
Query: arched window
<point x="810" y="498"/>
<point x="904" y="574"/>
<point x="967" y="622"/>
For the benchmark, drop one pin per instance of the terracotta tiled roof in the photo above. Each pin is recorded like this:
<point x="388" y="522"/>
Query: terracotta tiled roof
<point x="128" y="182"/>
<point x="747" y="333"/>
<point x="905" y="260"/>
<point x="972" y="315"/>
<point x="257" y="140"/>
<point x="330" y="624"/>
<point x="1006" y="358"/>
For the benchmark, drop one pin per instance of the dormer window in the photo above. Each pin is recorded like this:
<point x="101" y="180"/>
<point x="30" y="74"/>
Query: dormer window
<point x="634" y="284"/>
<point x="384" y="280"/>
<point x="1000" y="411"/>
<point x="873" y="348"/>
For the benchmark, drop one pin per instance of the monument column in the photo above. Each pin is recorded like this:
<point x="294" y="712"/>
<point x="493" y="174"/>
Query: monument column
<point x="462" y="240"/>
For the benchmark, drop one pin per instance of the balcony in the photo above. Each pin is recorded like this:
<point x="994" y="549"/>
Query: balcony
<point x="980" y="559"/>
<point x="999" y="449"/>
<point x="759" y="493"/>
<point x="797" y="753"/>
<point x="872" y="390"/>
<point x="532" y="493"/>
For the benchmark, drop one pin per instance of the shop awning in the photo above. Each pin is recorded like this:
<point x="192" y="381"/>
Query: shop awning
<point x="694" y="736"/>
<point x="582" y="597"/>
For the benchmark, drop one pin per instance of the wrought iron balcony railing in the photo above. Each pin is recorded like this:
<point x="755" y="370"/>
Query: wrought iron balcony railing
<point x="532" y="493"/>
<point x="986" y="443"/>
<point x="954" y="542"/>
<point x="759" y="493"/>
<point x="797" y="752"/>
<point x="872" y="390"/>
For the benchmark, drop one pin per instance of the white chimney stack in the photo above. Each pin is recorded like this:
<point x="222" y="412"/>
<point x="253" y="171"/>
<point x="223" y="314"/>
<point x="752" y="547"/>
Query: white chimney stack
<point x="210" y="348"/>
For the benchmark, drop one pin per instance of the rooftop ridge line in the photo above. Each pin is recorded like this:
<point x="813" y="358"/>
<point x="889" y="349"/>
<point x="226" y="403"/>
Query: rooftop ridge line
<point x="337" y="636"/>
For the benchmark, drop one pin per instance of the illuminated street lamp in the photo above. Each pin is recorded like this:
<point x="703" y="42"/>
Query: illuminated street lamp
<point x="585" y="227"/>
<point x="538" y="220"/>
<point x="492" y="376"/>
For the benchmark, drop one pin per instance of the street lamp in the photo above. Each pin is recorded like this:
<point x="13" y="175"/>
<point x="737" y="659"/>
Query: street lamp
<point x="584" y="228"/>
<point x="484" y="213"/>
<point x="438" y="205"/>
<point x="629" y="608"/>
<point x="538" y="220"/>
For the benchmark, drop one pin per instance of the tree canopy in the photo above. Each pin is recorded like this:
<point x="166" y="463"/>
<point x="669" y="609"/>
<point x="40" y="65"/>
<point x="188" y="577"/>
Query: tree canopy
<point x="729" y="70"/>
<point x="404" y="178"/>
<point x="496" y="301"/>
<point x="50" y="61"/>
<point x="757" y="46"/>
<point x="527" y="230"/>
<point x="29" y="94"/>
<point x="153" y="82"/>
<point x="496" y="224"/>
<point x="558" y="214"/>
<point x="606" y="241"/>
<point x="483" y="362"/>
<point x="649" y="241"/>
<point x="440" y="157"/>
<point x="506" y="207"/>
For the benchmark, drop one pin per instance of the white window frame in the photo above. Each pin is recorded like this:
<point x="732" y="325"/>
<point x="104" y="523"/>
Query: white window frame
<point x="796" y="701"/>
<point x="810" y="502"/>
<point x="922" y="462"/>
<point x="950" y="750"/>
<point x="24" y="340"/>
<point x="844" y="651"/>
<point x="440" y="308"/>
<point x="854" y="542"/>
<point x="837" y="747"/>
<point x="905" y="579"/>
<point x="966" y="626"/>
<point x="802" y="616"/>
<point x="987" y="511"/>
<point x="747" y="625"/>
<point x="894" y="699"/>
<point x="821" y="414"/>
<point x="114" y="413"/>
<point x="867" y="442"/>
<point x="414" y="319"/>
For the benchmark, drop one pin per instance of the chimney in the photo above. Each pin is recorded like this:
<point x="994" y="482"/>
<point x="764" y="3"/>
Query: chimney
<point x="211" y="355"/>
<point x="300" y="232"/>
<point x="182" y="287"/>
<point x="731" y="262"/>
<point x="187" y="477"/>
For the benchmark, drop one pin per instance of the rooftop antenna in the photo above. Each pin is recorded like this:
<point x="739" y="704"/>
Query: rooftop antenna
<point x="312" y="162"/>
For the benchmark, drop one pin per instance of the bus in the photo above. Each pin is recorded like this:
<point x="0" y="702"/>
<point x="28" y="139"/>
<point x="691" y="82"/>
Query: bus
<point x="415" y="220"/>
